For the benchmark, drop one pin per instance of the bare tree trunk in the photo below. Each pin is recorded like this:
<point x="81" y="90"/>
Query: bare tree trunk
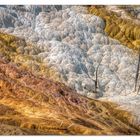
<point x="138" y="89"/>
<point x="96" y="79"/>
<point x="34" y="17"/>
<point x="2" y="18"/>
<point x="43" y="8"/>
<point x="137" y="73"/>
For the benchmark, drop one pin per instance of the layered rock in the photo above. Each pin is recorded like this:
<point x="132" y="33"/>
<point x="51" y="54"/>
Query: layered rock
<point x="36" y="105"/>
<point x="119" y="25"/>
<point x="74" y="43"/>
<point x="16" y="50"/>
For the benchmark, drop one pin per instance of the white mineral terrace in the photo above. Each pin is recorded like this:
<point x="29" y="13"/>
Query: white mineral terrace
<point x="74" y="43"/>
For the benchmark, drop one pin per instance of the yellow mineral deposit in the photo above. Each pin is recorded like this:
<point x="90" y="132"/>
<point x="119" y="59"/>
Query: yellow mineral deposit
<point x="126" y="31"/>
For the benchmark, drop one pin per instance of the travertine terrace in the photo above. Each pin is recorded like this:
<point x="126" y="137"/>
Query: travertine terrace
<point x="69" y="70"/>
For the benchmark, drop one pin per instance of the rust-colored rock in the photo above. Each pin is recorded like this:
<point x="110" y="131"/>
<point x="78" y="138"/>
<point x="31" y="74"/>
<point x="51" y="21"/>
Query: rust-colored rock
<point x="36" y="105"/>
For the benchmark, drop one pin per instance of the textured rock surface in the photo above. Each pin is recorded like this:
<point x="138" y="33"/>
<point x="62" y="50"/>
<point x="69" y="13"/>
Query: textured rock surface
<point x="119" y="25"/>
<point x="32" y="105"/>
<point x="73" y="43"/>
<point x="15" y="50"/>
<point x="131" y="10"/>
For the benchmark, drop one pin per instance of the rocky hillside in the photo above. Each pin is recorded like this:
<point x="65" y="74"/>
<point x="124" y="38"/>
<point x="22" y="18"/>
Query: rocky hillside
<point x="36" y="105"/>
<point x="120" y="24"/>
<point x="63" y="68"/>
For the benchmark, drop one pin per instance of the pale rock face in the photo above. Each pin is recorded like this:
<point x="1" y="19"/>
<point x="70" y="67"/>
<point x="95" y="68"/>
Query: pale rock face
<point x="138" y="16"/>
<point x="74" y="43"/>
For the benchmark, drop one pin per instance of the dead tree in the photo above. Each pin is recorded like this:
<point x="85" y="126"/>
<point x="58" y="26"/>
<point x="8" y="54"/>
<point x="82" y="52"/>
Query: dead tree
<point x="138" y="89"/>
<point x="2" y="19"/>
<point x="96" y="78"/>
<point x="43" y="8"/>
<point x="33" y="8"/>
<point x="137" y="72"/>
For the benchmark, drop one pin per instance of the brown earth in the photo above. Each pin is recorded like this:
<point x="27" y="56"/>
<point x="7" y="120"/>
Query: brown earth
<point x="36" y="105"/>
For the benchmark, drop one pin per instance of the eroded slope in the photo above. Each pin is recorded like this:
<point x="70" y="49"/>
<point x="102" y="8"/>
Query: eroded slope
<point x="16" y="50"/>
<point x="119" y="25"/>
<point x="36" y="105"/>
<point x="73" y="43"/>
